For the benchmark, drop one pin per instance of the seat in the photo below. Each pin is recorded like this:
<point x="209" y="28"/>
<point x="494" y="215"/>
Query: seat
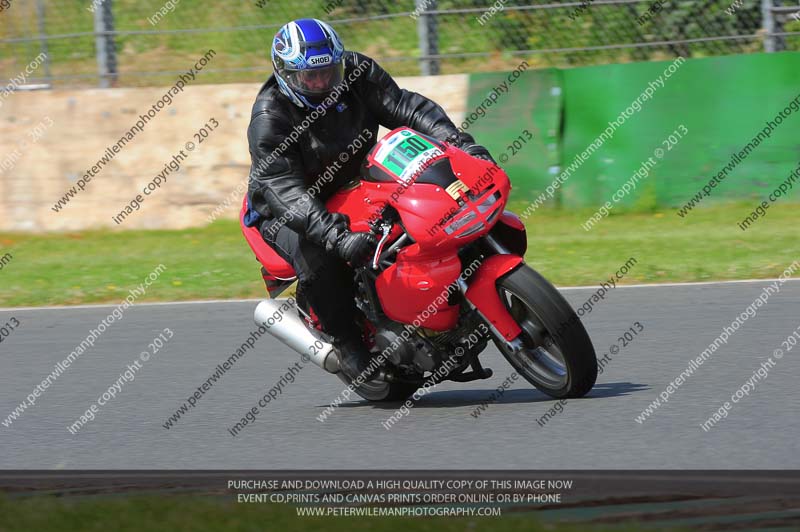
<point x="273" y="263"/>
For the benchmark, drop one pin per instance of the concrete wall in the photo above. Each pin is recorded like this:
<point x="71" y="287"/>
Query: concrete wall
<point x="49" y="139"/>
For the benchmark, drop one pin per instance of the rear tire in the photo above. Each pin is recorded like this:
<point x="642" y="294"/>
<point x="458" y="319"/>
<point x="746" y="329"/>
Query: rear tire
<point x="558" y="357"/>
<point x="380" y="391"/>
<point x="377" y="391"/>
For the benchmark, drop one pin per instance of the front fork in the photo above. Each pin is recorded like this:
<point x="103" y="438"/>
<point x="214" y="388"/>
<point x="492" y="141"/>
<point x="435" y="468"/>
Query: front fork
<point x="481" y="294"/>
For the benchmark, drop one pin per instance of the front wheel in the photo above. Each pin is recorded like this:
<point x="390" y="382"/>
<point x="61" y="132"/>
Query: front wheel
<point x="555" y="353"/>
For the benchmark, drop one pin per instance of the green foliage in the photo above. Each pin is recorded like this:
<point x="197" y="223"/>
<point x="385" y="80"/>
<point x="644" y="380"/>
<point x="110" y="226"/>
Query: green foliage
<point x="241" y="33"/>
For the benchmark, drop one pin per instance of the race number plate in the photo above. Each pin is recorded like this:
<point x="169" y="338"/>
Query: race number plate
<point x="406" y="154"/>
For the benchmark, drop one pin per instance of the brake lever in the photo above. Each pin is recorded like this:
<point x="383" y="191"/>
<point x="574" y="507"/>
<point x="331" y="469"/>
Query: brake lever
<point x="385" y="229"/>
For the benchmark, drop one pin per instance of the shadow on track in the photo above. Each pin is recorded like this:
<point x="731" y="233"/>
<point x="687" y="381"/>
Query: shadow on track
<point x="455" y="398"/>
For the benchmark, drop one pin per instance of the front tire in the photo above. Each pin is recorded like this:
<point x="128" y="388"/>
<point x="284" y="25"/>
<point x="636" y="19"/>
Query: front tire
<point x="557" y="355"/>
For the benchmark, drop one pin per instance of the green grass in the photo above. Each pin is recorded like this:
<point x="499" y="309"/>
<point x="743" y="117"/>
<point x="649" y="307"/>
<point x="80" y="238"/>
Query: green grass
<point x="214" y="262"/>
<point x="707" y="245"/>
<point x="198" y="514"/>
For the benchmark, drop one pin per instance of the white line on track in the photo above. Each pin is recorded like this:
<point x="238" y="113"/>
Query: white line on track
<point x="697" y="283"/>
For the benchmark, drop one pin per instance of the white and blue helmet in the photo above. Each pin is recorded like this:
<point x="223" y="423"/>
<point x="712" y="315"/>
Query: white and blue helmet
<point x="307" y="59"/>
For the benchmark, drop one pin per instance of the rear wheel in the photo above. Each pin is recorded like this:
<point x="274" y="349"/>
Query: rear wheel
<point x="381" y="391"/>
<point x="378" y="391"/>
<point x="556" y="354"/>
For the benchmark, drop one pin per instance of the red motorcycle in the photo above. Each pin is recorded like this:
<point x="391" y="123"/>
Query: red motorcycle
<point x="447" y="276"/>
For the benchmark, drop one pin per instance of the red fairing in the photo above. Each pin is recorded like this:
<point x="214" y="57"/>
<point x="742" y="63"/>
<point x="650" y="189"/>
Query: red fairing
<point x="429" y="212"/>
<point x="359" y="202"/>
<point x="417" y="289"/>
<point x="478" y="174"/>
<point x="276" y="267"/>
<point x="483" y="293"/>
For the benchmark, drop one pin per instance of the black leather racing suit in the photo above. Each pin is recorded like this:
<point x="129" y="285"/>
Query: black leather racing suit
<point x="295" y="222"/>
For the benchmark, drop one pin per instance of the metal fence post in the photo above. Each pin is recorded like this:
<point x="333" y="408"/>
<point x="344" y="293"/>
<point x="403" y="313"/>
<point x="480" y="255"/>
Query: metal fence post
<point x="104" y="44"/>
<point x="43" y="43"/>
<point x="428" y="34"/>
<point x="769" y="25"/>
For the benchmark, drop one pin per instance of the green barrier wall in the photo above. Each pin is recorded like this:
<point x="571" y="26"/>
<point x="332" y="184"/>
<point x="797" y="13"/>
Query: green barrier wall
<point x="532" y="102"/>
<point x="723" y="102"/>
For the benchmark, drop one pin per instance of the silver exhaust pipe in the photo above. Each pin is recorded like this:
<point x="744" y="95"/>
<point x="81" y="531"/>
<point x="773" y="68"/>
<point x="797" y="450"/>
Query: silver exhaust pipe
<point x="281" y="320"/>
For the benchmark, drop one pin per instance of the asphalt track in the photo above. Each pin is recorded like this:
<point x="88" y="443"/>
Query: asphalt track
<point x="597" y="432"/>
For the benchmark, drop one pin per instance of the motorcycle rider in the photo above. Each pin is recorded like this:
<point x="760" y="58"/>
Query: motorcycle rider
<point x="317" y="101"/>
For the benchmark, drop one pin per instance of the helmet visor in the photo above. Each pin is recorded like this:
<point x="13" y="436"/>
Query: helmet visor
<point x="316" y="81"/>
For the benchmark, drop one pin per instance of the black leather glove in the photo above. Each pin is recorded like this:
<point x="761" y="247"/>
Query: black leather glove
<point x="356" y="247"/>
<point x="476" y="150"/>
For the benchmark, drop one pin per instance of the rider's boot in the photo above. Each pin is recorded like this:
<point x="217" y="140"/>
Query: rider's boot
<point x="355" y="359"/>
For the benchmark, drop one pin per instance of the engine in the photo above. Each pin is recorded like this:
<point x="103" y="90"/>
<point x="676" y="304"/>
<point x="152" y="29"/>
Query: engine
<point x="404" y="347"/>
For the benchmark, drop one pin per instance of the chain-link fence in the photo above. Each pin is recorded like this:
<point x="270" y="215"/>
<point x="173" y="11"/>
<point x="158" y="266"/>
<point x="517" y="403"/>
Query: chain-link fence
<point x="146" y="42"/>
